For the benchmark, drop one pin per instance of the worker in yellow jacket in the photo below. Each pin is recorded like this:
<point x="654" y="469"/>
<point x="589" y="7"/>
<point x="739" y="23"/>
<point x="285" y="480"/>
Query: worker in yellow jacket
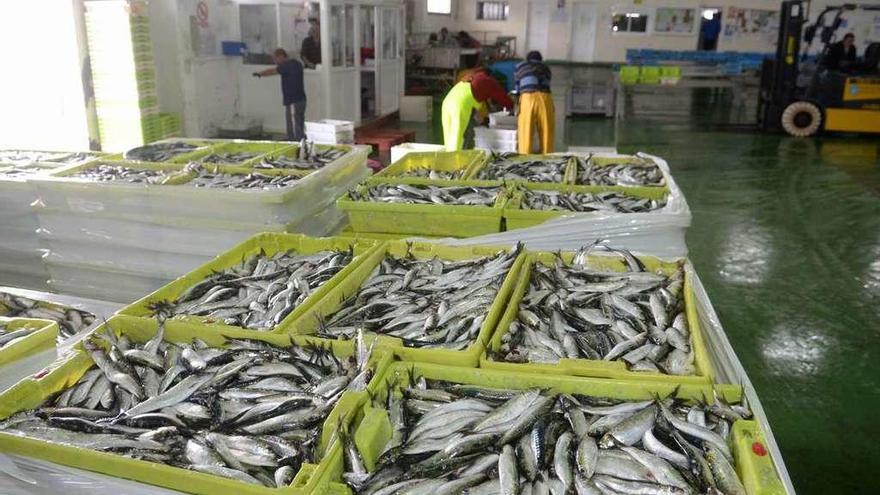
<point x="536" y="111"/>
<point x="463" y="99"/>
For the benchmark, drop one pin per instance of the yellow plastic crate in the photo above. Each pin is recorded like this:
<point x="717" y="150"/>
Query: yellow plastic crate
<point x="421" y="219"/>
<point x="269" y="244"/>
<point x="175" y="173"/>
<point x="598" y="368"/>
<point x="444" y="161"/>
<point x="255" y="147"/>
<point x="517" y="217"/>
<point x="567" y="178"/>
<point x="605" y="161"/>
<point x="39" y="340"/>
<point x="308" y="322"/>
<point x="372" y="428"/>
<point x="32" y="392"/>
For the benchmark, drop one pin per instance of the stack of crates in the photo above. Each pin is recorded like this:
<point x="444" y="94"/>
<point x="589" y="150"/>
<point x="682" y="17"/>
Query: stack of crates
<point x="123" y="73"/>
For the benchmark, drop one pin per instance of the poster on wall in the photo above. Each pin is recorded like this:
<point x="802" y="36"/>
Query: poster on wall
<point x="740" y="23"/>
<point x="675" y="21"/>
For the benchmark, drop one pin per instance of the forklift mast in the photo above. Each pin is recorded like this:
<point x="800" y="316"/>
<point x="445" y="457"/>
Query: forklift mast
<point x="779" y="76"/>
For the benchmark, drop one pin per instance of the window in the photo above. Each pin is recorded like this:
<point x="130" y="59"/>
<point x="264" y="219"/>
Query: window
<point x="440" y="7"/>
<point x="259" y="32"/>
<point x="492" y="11"/>
<point x="629" y="22"/>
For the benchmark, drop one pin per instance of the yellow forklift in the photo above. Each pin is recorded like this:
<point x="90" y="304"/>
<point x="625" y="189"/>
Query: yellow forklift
<point x="827" y="100"/>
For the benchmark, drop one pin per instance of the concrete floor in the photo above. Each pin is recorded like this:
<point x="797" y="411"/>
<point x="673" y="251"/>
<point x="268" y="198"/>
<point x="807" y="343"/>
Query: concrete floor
<point x="786" y="237"/>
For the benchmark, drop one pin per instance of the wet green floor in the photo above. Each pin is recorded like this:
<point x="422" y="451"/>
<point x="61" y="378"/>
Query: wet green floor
<point x="786" y="237"/>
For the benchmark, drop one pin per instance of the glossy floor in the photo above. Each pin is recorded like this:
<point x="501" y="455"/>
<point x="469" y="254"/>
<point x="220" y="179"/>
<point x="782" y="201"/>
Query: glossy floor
<point x="786" y="237"/>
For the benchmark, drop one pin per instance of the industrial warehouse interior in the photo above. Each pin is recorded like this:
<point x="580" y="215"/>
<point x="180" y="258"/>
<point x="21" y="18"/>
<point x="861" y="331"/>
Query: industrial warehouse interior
<point x="439" y="247"/>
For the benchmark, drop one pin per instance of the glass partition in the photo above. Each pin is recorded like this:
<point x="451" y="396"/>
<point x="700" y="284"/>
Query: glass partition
<point x="259" y="32"/>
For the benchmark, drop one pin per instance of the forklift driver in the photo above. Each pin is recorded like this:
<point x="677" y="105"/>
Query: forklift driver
<point x="842" y="55"/>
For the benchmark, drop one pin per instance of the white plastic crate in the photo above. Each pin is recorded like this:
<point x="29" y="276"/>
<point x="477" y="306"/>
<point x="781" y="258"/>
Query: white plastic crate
<point x="416" y="108"/>
<point x="329" y="131"/>
<point x="495" y="139"/>
<point x="399" y="151"/>
<point x="502" y="120"/>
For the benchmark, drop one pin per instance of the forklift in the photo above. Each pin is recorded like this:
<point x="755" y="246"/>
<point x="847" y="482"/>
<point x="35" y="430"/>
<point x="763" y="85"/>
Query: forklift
<point x="828" y="100"/>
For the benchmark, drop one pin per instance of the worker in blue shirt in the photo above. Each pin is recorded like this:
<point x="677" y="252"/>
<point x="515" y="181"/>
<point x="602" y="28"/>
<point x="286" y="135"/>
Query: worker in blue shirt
<point x="292" y="90"/>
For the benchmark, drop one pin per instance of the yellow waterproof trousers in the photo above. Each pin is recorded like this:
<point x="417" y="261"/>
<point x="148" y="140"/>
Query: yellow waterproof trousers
<point x="535" y="111"/>
<point x="456" y="111"/>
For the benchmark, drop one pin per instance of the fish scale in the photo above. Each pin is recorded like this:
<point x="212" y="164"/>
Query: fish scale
<point x="265" y="441"/>
<point x="415" y="303"/>
<point x="612" y="324"/>
<point x="528" y="451"/>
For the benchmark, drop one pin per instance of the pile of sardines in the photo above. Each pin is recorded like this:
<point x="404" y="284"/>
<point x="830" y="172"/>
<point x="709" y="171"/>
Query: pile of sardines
<point x="308" y="157"/>
<point x="428" y="194"/>
<point x="428" y="303"/>
<point x="10" y="337"/>
<point x="251" y="181"/>
<point x="259" y="292"/>
<point x="239" y="157"/>
<point x="610" y="202"/>
<point x="466" y="439"/>
<point x="159" y="152"/>
<point x="574" y="311"/>
<point x="429" y="173"/>
<point x="508" y="167"/>
<point x="27" y="157"/>
<point x="70" y="321"/>
<point x="17" y="171"/>
<point x="641" y="173"/>
<point x="248" y="411"/>
<point x="106" y="172"/>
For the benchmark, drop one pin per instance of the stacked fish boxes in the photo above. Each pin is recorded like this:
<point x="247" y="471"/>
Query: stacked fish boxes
<point x="20" y="249"/>
<point x="123" y="73"/>
<point x="114" y="238"/>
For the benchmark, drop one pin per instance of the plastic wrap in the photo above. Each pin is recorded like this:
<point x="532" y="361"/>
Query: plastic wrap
<point x="659" y="233"/>
<point x="20" y="250"/>
<point x="103" y="284"/>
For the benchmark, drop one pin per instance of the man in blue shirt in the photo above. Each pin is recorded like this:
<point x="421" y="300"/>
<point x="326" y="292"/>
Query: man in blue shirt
<point x="293" y="91"/>
<point x="536" y="111"/>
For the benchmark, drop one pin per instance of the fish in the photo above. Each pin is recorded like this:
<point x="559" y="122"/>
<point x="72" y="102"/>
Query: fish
<point x="428" y="194"/>
<point x="160" y="152"/>
<point x="427" y="303"/>
<point x="585" y="202"/>
<point x="188" y="425"/>
<point x="510" y="166"/>
<point x="434" y="174"/>
<point x="259" y="292"/>
<point x="230" y="157"/>
<point x="213" y="178"/>
<point x="108" y="172"/>
<point x="573" y="311"/>
<point x="9" y="337"/>
<point x="308" y="157"/>
<point x="547" y="456"/>
<point x="641" y="172"/>
<point x="23" y="158"/>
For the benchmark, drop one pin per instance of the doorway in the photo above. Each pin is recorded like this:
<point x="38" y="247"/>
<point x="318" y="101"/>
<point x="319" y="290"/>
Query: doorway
<point x="583" y="29"/>
<point x="710" y="28"/>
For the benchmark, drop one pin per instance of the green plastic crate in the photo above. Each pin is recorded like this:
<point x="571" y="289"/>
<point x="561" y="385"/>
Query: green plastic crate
<point x="292" y="150"/>
<point x="176" y="175"/>
<point x="445" y="161"/>
<point x="41" y="339"/>
<point x="608" y="160"/>
<point x="430" y="220"/>
<point x="629" y="74"/>
<point x="670" y="71"/>
<point x="33" y="391"/>
<point x="598" y="368"/>
<point x="517" y="217"/>
<point x="372" y="428"/>
<point x="268" y="243"/>
<point x="649" y="74"/>
<point x="307" y="323"/>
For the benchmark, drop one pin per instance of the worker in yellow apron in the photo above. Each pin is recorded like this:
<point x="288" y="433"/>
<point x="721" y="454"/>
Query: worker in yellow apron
<point x="461" y="102"/>
<point x="536" y="111"/>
